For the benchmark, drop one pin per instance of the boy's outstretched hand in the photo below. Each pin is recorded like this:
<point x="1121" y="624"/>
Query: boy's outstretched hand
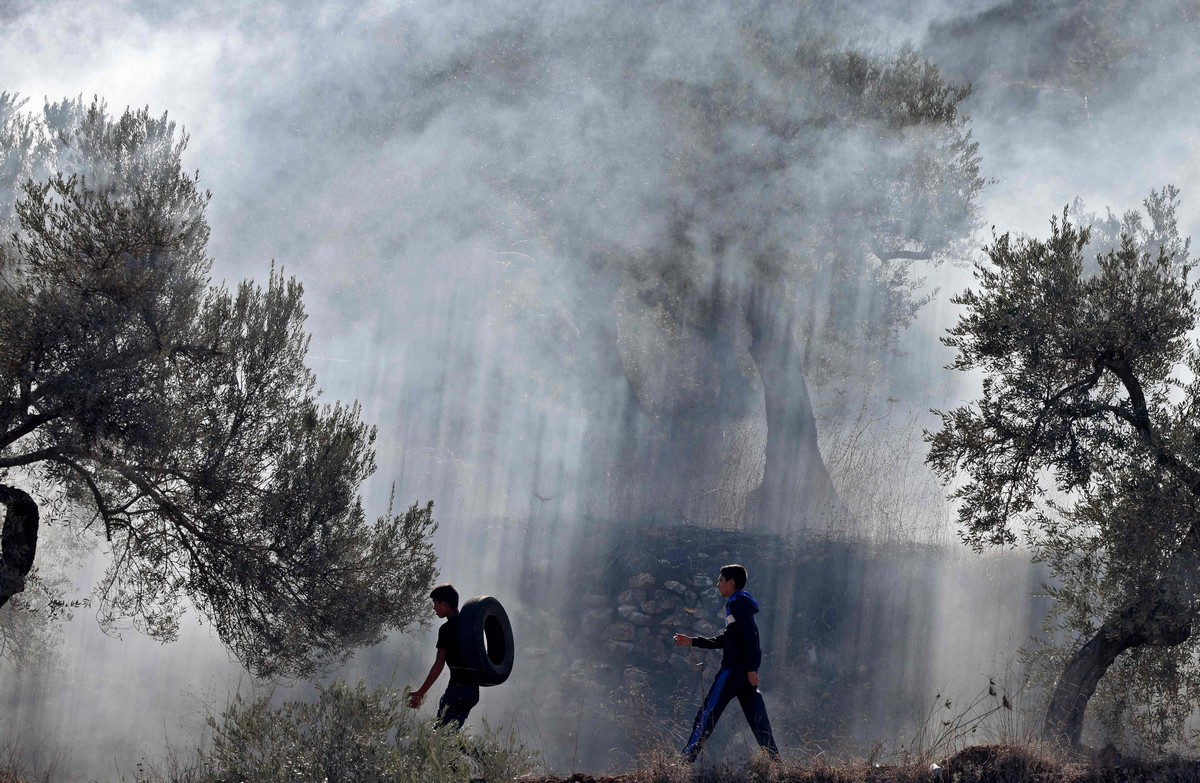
<point x="682" y="640"/>
<point x="415" y="698"/>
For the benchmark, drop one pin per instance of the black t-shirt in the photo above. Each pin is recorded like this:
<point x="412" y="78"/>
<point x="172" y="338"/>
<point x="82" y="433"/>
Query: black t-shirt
<point x="448" y="640"/>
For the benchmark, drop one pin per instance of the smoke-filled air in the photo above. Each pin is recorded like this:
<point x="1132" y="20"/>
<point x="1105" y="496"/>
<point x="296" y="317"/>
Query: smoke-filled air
<point x="308" y="309"/>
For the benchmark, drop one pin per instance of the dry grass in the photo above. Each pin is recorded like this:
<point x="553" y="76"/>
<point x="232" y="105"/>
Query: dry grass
<point x="990" y="763"/>
<point x="979" y="764"/>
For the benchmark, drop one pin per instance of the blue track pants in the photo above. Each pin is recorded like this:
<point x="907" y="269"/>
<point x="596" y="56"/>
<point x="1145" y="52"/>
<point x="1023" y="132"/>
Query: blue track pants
<point x="727" y="686"/>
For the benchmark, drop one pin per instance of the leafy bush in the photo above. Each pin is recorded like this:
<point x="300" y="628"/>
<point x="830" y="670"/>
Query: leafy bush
<point x="352" y="734"/>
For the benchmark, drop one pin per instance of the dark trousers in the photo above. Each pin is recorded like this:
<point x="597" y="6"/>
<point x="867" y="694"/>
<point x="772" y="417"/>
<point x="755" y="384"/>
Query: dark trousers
<point x="726" y="686"/>
<point x="456" y="704"/>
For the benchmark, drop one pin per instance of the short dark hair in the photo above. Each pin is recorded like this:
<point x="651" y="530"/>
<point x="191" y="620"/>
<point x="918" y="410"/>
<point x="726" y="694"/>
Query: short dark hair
<point x="446" y="594"/>
<point x="735" y="573"/>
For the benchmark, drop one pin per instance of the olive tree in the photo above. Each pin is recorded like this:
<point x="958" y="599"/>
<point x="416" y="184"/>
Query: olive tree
<point x="759" y="225"/>
<point x="813" y="179"/>
<point x="178" y="412"/>
<point x="1085" y="434"/>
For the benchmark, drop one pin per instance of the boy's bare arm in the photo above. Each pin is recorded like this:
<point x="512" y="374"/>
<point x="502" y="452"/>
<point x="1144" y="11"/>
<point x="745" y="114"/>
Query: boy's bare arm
<point x="417" y="696"/>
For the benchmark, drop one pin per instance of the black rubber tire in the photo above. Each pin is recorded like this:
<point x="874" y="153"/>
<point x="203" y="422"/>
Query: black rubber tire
<point x="485" y="640"/>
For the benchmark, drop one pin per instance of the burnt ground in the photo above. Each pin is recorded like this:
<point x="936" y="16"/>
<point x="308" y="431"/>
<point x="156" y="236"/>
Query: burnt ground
<point x="980" y="764"/>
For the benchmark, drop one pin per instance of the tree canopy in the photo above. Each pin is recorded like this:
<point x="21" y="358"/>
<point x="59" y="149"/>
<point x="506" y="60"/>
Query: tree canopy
<point x="758" y="222"/>
<point x="178" y="412"/>
<point x="1085" y="436"/>
<point x="810" y="180"/>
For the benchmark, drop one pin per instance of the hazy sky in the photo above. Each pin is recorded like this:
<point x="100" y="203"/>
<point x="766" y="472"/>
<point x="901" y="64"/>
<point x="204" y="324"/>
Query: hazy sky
<point x="305" y="125"/>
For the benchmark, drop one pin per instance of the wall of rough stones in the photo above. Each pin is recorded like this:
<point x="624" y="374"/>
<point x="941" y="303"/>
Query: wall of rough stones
<point x="858" y="639"/>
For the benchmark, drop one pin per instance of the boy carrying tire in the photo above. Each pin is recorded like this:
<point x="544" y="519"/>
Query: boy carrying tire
<point x="462" y="693"/>
<point x="738" y="676"/>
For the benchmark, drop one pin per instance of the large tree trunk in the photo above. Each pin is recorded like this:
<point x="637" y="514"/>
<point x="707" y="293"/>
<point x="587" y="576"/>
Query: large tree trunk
<point x="796" y="491"/>
<point x="18" y="542"/>
<point x="686" y="399"/>
<point x="1155" y="621"/>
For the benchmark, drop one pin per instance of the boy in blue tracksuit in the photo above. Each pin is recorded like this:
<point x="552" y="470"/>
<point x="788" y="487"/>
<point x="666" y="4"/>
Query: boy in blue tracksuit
<point x="738" y="677"/>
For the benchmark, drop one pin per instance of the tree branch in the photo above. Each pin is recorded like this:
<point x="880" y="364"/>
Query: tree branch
<point x="193" y="351"/>
<point x="892" y="255"/>
<point x="40" y="455"/>
<point x="1139" y="419"/>
<point x="177" y="515"/>
<point x="30" y="424"/>
<point x="1084" y="385"/>
<point x="106" y="514"/>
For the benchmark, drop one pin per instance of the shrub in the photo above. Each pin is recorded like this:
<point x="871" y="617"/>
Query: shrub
<point x="352" y="734"/>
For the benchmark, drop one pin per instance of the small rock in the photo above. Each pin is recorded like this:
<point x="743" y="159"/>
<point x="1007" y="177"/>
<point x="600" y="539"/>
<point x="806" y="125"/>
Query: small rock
<point x="637" y="618"/>
<point x="679" y="588"/>
<point x="642" y="580"/>
<point x="651" y="607"/>
<point x="621" y="632"/>
<point x="626" y="611"/>
<point x="618" y="648"/>
<point x="594" y="621"/>
<point x="635" y="677"/>
<point x="702" y="581"/>
<point x="663" y="602"/>
<point x="704" y="628"/>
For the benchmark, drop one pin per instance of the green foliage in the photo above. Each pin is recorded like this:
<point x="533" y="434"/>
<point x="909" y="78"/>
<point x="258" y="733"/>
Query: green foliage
<point x="1085" y="438"/>
<point x="179" y="413"/>
<point x="1078" y="369"/>
<point x="353" y="734"/>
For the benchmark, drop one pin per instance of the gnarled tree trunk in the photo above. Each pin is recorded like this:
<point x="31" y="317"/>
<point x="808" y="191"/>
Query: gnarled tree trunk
<point x="1155" y="621"/>
<point x="18" y="542"/>
<point x="796" y="490"/>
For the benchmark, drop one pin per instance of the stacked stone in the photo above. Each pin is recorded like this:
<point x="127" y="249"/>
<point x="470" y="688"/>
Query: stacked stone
<point x="647" y="614"/>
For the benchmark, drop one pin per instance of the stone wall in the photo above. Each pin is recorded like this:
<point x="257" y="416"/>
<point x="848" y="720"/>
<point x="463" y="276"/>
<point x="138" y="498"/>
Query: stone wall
<point x="857" y="639"/>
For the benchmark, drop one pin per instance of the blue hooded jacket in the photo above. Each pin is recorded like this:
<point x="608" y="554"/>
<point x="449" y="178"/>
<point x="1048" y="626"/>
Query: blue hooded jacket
<point x="739" y="640"/>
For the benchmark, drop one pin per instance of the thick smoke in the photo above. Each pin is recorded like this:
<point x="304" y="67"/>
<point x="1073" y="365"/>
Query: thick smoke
<point x="484" y="200"/>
